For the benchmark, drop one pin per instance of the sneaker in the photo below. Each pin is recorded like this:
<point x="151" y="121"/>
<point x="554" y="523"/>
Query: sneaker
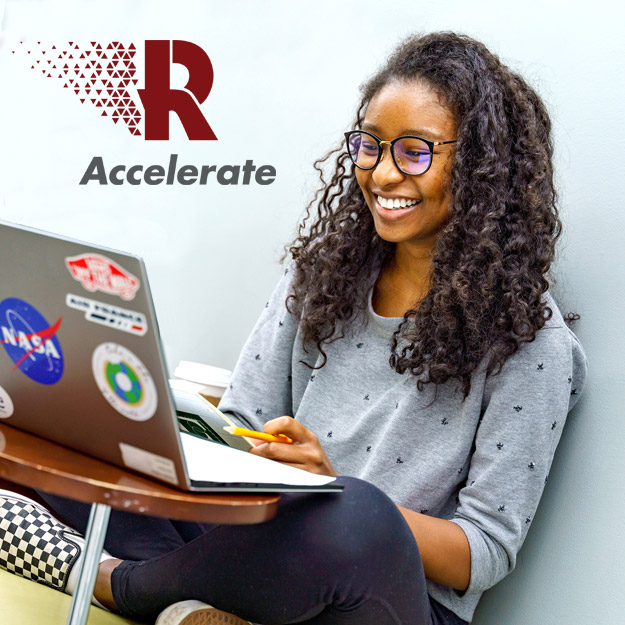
<point x="194" y="612"/>
<point x="35" y="545"/>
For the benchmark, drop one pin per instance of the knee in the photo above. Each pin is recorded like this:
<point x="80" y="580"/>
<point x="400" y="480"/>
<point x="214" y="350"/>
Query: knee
<point x="362" y="522"/>
<point x="372" y="516"/>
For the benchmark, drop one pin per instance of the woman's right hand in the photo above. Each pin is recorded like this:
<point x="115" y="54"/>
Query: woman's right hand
<point x="304" y="453"/>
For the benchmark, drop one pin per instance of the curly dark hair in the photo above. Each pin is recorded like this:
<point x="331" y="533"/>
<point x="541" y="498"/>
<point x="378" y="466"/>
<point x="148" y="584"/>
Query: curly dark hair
<point x="490" y="261"/>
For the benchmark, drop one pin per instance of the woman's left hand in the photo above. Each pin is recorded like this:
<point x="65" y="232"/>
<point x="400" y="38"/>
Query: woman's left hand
<point x="304" y="453"/>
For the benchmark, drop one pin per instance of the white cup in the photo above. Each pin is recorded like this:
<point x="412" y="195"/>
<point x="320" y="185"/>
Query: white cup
<point x="210" y="382"/>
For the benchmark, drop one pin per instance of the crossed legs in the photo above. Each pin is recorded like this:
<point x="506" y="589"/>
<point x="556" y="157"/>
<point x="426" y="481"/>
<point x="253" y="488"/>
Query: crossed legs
<point x="341" y="558"/>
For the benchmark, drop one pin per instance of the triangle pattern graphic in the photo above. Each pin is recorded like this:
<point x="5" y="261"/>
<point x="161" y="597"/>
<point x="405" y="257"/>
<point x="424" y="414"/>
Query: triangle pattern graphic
<point x="104" y="68"/>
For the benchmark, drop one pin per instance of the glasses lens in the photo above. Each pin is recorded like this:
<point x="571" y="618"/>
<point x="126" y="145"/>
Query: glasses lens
<point x="363" y="149"/>
<point x="412" y="155"/>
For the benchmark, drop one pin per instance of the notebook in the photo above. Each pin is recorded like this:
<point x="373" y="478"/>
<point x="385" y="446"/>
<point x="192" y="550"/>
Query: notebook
<point x="81" y="363"/>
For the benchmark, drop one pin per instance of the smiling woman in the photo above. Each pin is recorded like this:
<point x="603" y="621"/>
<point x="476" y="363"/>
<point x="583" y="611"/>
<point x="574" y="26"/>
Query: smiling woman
<point x="404" y="350"/>
<point x="391" y="113"/>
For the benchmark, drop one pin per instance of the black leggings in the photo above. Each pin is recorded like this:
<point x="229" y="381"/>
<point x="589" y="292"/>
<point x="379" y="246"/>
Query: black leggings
<point x="339" y="558"/>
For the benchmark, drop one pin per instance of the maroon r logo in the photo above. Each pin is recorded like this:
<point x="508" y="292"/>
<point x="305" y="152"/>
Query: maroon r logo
<point x="159" y="98"/>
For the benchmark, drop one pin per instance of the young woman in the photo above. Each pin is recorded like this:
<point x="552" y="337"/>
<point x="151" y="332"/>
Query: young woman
<point x="411" y="348"/>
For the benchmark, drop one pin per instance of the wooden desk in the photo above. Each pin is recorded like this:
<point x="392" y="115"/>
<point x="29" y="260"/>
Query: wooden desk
<point x="38" y="463"/>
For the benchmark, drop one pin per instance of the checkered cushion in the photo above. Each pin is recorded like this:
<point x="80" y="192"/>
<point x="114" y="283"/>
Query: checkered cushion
<point x="33" y="544"/>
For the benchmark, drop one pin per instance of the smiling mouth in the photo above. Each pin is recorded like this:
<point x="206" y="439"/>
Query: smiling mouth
<point x="394" y="204"/>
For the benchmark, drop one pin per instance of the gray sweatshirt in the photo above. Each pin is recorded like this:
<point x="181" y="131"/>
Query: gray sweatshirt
<point x="481" y="463"/>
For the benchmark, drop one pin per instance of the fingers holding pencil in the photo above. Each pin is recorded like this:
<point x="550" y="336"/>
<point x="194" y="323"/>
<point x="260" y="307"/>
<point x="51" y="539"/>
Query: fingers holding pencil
<point x="261" y="436"/>
<point x="304" y="452"/>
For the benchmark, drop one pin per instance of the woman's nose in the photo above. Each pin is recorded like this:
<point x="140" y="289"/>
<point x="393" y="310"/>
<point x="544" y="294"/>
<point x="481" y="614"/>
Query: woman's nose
<point x="386" y="172"/>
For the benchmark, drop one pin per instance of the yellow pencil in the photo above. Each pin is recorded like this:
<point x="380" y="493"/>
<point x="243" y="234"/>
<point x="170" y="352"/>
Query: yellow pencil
<point x="262" y="436"/>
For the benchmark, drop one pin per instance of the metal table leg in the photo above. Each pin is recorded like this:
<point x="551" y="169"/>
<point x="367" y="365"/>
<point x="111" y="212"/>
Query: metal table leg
<point x="94" y="543"/>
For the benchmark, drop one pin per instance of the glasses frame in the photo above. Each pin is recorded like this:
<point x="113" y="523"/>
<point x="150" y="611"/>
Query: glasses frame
<point x="391" y="144"/>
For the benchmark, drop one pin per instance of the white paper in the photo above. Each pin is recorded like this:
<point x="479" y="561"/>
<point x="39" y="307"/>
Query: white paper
<point x="212" y="462"/>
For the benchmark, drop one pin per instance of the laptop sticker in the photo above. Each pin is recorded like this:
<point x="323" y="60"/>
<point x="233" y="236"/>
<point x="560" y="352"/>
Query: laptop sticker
<point x="30" y="341"/>
<point x="148" y="462"/>
<point x="99" y="273"/>
<point x="124" y="381"/>
<point x="6" y="405"/>
<point x="109" y="315"/>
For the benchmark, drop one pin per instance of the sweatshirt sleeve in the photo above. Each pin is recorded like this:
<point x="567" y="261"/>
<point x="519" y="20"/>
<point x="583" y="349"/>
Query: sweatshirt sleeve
<point x="524" y="410"/>
<point x="260" y="386"/>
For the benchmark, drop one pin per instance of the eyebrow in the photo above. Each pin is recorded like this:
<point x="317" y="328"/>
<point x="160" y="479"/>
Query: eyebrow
<point x="426" y="133"/>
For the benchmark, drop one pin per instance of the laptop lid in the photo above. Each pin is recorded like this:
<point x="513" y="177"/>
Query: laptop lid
<point x="81" y="364"/>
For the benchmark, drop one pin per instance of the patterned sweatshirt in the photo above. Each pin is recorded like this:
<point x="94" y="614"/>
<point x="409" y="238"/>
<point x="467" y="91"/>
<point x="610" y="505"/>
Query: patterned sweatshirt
<point x="481" y="463"/>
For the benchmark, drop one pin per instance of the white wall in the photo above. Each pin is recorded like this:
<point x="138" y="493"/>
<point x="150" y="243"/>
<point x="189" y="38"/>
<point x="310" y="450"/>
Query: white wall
<point x="285" y="89"/>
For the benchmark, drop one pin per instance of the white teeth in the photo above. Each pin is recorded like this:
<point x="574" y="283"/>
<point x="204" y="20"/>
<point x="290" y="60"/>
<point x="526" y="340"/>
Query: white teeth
<point x="395" y="203"/>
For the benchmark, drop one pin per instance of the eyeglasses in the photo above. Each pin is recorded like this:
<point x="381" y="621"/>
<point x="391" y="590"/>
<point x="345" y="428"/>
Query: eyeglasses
<point x="412" y="155"/>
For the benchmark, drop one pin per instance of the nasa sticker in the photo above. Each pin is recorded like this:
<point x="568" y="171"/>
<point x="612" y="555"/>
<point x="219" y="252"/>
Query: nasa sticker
<point x="124" y="381"/>
<point x="6" y="405"/>
<point x="30" y="341"/>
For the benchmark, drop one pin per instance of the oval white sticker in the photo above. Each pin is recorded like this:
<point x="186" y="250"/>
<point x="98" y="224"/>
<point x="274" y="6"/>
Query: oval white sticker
<point x="6" y="405"/>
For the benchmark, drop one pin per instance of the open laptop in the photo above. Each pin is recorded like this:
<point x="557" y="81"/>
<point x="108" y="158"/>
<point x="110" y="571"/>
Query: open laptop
<point x="81" y="363"/>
